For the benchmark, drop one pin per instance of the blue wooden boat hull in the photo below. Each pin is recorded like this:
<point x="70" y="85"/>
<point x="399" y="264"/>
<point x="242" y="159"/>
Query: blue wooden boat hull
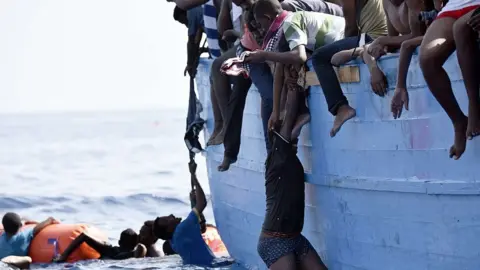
<point x="383" y="194"/>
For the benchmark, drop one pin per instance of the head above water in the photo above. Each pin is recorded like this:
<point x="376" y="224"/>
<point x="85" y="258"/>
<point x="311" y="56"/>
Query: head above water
<point x="11" y="223"/>
<point x="128" y="239"/>
<point x="180" y="15"/>
<point x="146" y="235"/>
<point x="265" y="12"/>
<point x="163" y="227"/>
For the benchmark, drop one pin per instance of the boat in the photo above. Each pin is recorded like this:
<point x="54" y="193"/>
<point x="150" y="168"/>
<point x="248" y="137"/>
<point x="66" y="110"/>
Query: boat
<point x="382" y="194"/>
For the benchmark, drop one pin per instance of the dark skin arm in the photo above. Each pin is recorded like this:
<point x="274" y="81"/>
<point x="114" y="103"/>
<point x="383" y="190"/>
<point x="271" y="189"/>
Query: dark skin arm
<point x="98" y="246"/>
<point x="417" y="28"/>
<point x="350" y="14"/>
<point x="224" y="21"/>
<point x="40" y="226"/>
<point x="193" y="50"/>
<point x="297" y="56"/>
<point x="201" y="201"/>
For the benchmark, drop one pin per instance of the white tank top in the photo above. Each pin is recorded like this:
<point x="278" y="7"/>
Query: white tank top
<point x="459" y="4"/>
<point x="236" y="14"/>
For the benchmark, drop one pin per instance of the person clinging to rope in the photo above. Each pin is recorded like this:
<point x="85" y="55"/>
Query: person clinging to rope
<point x="185" y="236"/>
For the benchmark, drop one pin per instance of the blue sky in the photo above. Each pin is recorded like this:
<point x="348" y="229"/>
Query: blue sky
<point x="63" y="55"/>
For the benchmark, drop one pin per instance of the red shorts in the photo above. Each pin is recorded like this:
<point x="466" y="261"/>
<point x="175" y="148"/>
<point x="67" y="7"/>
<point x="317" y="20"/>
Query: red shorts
<point x="456" y="14"/>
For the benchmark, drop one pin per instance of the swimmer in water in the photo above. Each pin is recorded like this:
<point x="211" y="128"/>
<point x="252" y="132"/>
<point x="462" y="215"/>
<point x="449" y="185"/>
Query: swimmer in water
<point x="185" y="237"/>
<point x="14" y="243"/>
<point x="128" y="247"/>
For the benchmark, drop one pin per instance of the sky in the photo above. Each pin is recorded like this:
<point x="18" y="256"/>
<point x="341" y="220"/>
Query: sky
<point x="76" y="55"/>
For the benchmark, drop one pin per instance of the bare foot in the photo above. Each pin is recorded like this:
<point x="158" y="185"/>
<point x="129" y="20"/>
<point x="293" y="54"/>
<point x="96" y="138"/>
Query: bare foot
<point x="473" y="128"/>
<point x="301" y="121"/>
<point x="344" y="113"/>
<point x="226" y="164"/>
<point x="460" y="142"/>
<point x="216" y="131"/>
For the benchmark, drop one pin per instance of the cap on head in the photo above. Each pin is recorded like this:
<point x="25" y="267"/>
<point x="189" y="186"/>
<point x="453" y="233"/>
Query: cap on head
<point x="11" y="223"/>
<point x="128" y="239"/>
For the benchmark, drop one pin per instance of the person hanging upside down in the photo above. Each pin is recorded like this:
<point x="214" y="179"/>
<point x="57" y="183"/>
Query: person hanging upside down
<point x="281" y="244"/>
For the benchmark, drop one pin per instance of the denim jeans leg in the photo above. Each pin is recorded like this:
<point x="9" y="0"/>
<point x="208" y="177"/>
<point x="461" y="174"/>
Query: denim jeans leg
<point x="321" y="61"/>
<point x="262" y="78"/>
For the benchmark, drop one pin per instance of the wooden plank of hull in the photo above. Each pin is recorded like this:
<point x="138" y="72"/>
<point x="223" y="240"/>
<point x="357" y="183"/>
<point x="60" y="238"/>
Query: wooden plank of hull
<point x="345" y="74"/>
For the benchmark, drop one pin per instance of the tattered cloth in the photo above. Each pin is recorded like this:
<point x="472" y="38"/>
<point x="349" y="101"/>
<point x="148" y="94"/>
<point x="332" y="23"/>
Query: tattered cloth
<point x="194" y="121"/>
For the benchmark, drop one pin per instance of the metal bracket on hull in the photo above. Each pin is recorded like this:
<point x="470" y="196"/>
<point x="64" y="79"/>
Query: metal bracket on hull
<point x="345" y="74"/>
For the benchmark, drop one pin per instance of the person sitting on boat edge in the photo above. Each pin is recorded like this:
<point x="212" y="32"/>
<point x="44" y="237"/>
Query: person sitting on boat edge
<point x="185" y="236"/>
<point x="406" y="32"/>
<point x="288" y="39"/>
<point x="14" y="242"/>
<point x="437" y="45"/>
<point x="364" y="20"/>
<point x="193" y="19"/>
<point x="128" y="247"/>
<point x="465" y="33"/>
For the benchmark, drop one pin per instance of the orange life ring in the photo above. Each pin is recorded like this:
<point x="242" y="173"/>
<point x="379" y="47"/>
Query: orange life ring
<point x="54" y="239"/>
<point x="214" y="241"/>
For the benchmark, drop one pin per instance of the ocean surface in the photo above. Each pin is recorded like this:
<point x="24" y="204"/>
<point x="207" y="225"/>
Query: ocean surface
<point x="113" y="170"/>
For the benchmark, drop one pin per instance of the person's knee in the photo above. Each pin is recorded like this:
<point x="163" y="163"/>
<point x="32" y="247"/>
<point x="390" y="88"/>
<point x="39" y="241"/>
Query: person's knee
<point x="321" y="57"/>
<point x="425" y="61"/>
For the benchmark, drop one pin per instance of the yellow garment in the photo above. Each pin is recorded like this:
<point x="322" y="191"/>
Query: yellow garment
<point x="373" y="20"/>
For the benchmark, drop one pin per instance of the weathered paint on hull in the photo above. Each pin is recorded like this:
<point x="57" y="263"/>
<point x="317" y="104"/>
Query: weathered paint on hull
<point x="382" y="194"/>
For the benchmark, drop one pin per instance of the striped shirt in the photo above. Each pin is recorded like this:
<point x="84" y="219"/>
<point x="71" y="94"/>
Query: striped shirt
<point x="210" y="26"/>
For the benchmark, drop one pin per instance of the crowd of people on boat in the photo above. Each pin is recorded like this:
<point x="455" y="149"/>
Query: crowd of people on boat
<point x="268" y="42"/>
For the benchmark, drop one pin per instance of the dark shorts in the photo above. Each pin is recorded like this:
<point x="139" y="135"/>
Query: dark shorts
<point x="271" y="249"/>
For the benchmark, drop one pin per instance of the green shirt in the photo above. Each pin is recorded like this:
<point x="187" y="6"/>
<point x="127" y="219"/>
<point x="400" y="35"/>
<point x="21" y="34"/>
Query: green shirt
<point x="312" y="29"/>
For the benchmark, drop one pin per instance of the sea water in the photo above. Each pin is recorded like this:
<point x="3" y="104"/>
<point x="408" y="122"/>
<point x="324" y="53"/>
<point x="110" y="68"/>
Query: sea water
<point x="113" y="170"/>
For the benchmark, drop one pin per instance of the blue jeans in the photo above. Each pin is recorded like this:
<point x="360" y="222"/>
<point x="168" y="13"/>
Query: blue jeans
<point x="262" y="78"/>
<point x="321" y="60"/>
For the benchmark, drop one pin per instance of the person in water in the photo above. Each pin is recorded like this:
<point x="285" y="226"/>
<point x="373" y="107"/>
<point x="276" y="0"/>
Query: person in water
<point x="465" y="33"/>
<point x="14" y="242"/>
<point x="148" y="239"/>
<point x="128" y="247"/>
<point x="437" y="45"/>
<point x="185" y="236"/>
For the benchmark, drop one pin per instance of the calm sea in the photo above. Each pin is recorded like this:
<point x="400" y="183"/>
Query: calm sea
<point x="113" y="170"/>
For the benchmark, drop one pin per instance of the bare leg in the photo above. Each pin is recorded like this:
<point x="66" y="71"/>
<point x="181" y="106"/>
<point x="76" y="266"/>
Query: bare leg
<point x="437" y="46"/>
<point x="286" y="262"/>
<point x="217" y="117"/>
<point x="303" y="117"/>
<point x="344" y="113"/>
<point x="468" y="57"/>
<point x="311" y="261"/>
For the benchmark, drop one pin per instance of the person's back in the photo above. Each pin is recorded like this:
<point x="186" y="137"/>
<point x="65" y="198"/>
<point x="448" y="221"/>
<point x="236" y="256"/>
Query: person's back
<point x="372" y="19"/>
<point x="312" y="29"/>
<point x="187" y="241"/>
<point x="14" y="242"/>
